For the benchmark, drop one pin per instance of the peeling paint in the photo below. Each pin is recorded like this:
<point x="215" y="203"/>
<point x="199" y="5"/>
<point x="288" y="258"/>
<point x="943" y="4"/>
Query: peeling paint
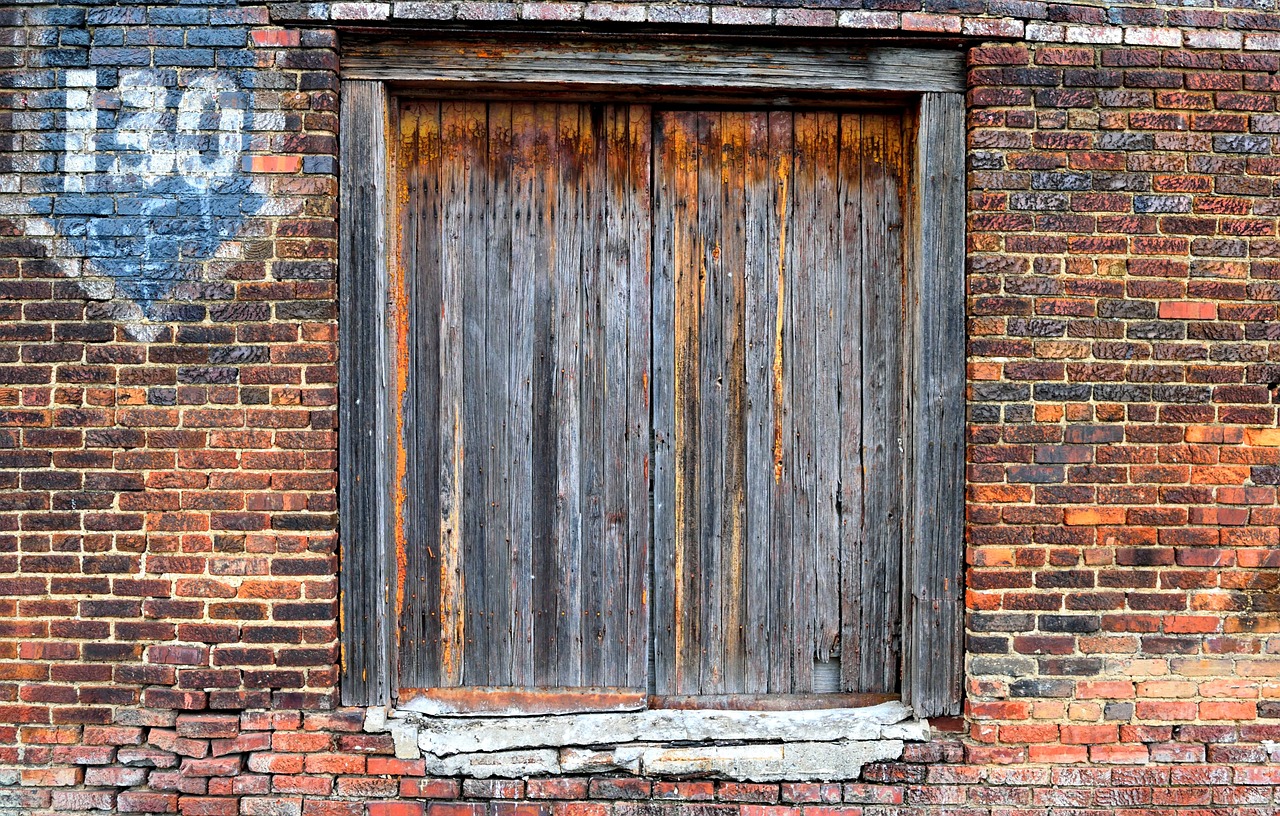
<point x="152" y="182"/>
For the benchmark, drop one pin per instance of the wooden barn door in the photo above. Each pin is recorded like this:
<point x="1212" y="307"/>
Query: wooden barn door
<point x="526" y="247"/>
<point x="778" y="282"/>
<point x="612" y="306"/>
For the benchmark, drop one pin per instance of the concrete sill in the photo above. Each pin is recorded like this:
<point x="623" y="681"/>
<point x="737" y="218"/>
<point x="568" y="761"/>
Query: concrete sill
<point x="757" y="746"/>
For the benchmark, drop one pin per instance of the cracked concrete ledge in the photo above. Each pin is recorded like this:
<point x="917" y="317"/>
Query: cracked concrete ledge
<point x="755" y="746"/>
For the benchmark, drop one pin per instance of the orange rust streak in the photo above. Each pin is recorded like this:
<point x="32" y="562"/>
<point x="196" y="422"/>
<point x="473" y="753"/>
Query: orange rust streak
<point x="400" y="316"/>
<point x="778" y="395"/>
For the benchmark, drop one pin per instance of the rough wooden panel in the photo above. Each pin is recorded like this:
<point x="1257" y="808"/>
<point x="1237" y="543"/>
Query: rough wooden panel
<point x="498" y="493"/>
<point x="418" y="165"/>
<point x="933" y="590"/>
<point x="466" y="137"/>
<point x="825" y="461"/>
<point x="709" y="437"/>
<point x="767" y="280"/>
<point x="544" y="463"/>
<point x="566" y="373"/>
<point x="531" y="572"/>
<point x="691" y="65"/>
<point x="733" y="582"/>
<point x="666" y="631"/>
<point x="633" y="197"/>
<point x="526" y="223"/>
<point x="849" y="302"/>
<point x="782" y="636"/>
<point x="364" y="418"/>
<point x="680" y="138"/>
<point x="882" y="341"/>
<point x="800" y="371"/>
<point x="760" y="277"/>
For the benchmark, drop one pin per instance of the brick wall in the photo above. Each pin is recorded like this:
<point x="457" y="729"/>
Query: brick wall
<point x="167" y="549"/>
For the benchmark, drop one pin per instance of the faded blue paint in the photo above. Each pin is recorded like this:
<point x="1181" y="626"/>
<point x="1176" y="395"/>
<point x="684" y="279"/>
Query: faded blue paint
<point x="152" y="177"/>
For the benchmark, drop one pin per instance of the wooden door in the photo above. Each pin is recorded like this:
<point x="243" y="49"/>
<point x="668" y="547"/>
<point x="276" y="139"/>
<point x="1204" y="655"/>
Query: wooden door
<point x="526" y="248"/>
<point x="612" y="306"/>
<point x="778" y="282"/>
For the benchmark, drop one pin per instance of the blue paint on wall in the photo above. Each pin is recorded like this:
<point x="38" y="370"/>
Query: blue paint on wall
<point x="153" y="175"/>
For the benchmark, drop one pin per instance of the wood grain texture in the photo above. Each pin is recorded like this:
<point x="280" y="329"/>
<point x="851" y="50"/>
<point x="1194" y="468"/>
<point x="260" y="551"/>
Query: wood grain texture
<point x="764" y="211"/>
<point x="628" y="63"/>
<point x="933" y="591"/>
<point x="418" y="172"/>
<point x="525" y="222"/>
<point x="882" y="397"/>
<point x="367" y="573"/>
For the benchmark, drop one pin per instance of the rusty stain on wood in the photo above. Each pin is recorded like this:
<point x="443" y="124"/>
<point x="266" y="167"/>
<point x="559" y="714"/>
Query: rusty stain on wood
<point x="557" y="279"/>
<point x="711" y="211"/>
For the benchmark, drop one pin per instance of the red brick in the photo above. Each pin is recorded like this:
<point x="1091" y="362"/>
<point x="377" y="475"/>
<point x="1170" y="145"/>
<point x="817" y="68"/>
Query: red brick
<point x="142" y="802"/>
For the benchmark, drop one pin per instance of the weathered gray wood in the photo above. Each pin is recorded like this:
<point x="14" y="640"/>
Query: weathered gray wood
<point x="802" y="370"/>
<point x="935" y="544"/>
<point x="682" y="141"/>
<point x="882" y="341"/>
<point x="603" y="394"/>
<point x="364" y="449"/>
<point x="732" y="600"/>
<point x="525" y="225"/>
<point x="826" y="462"/>
<point x="634" y="139"/>
<point x="544" y="452"/>
<point x="628" y="63"/>
<point x="849" y="302"/>
<point x="455" y="122"/>
<point x="708" y="290"/>
<point x="775" y="284"/>
<point x="469" y="138"/>
<point x="760" y="284"/>
<point x="418" y="165"/>
<point x="666" y="630"/>
<point x="498" y="493"/>
<point x="782" y="635"/>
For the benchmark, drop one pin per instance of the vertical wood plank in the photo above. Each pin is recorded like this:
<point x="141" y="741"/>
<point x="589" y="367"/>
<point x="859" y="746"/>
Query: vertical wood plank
<point x="420" y="659"/>
<point x="671" y="158"/>
<point x="849" y="298"/>
<point x="471" y="137"/>
<point x="732" y="596"/>
<point x="545" y="453"/>
<point x="803" y="368"/>
<point x="566" y="345"/>
<point x="828" y="341"/>
<point x="760" y="288"/>
<point x="709" y="438"/>
<point x="686" y="261"/>
<point x="455" y="122"/>
<point x="781" y="613"/>
<point x="526" y="212"/>
<point x="367" y="574"/>
<point x="882" y="402"/>
<point x="408" y="184"/>
<point x="935" y="547"/>
<point x="634" y="140"/>
<point x="600" y="550"/>
<point x="498" y="491"/>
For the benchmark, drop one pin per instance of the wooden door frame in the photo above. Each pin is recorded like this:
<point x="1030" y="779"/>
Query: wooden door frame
<point x="376" y="73"/>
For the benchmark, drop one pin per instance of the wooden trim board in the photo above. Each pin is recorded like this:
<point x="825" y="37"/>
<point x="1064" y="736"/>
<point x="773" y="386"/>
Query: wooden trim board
<point x="683" y="66"/>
